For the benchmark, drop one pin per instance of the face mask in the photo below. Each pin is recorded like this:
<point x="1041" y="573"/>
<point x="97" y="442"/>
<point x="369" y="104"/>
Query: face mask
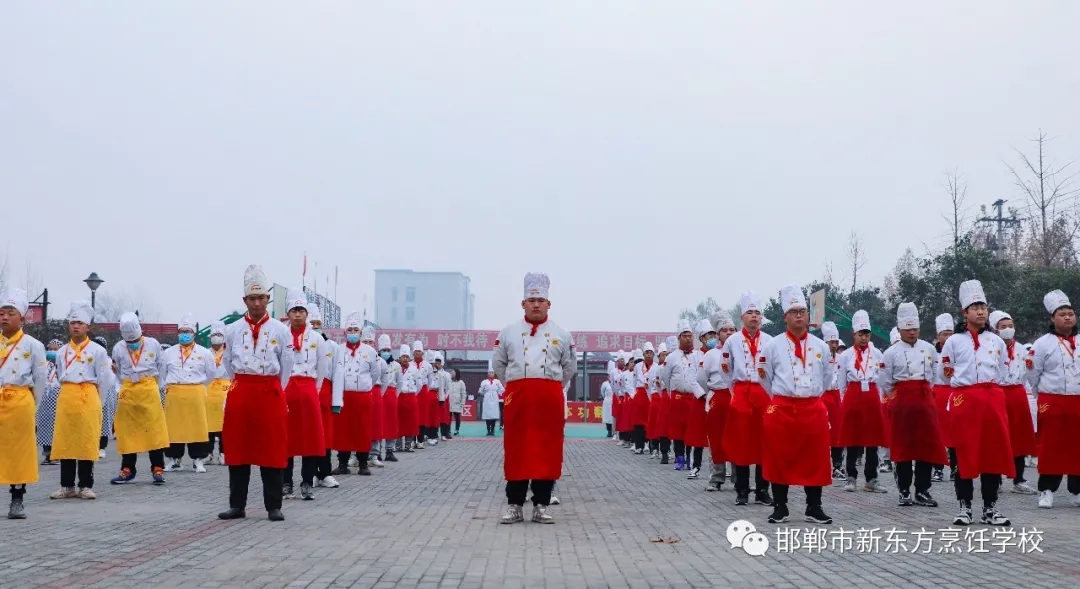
<point x="50" y="355"/>
<point x="385" y="356"/>
<point x="711" y="343"/>
<point x="352" y="338"/>
<point x="135" y="345"/>
<point x="1008" y="333"/>
<point x="217" y="339"/>
<point x="316" y="329"/>
<point x="185" y="338"/>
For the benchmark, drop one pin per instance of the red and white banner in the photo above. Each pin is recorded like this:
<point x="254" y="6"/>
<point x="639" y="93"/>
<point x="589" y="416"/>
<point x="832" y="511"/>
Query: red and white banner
<point x="584" y="341"/>
<point x="576" y="412"/>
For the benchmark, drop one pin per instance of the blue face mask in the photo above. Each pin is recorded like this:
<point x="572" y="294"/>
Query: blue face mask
<point x="50" y="355"/>
<point x="385" y="356"/>
<point x="352" y="338"/>
<point x="135" y="345"/>
<point x="185" y="338"/>
<point x="711" y="343"/>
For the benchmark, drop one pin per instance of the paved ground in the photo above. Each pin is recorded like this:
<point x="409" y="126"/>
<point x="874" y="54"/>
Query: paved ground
<point x="431" y="521"/>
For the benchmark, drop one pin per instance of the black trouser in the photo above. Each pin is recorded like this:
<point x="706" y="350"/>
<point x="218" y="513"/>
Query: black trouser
<point x="103" y="442"/>
<point x="990" y="483"/>
<point x="323" y="467"/>
<point x="490" y="426"/>
<point x="240" y="477"/>
<point x="639" y="437"/>
<point x="196" y="450"/>
<point x="742" y="480"/>
<point x="457" y="421"/>
<point x="1019" y="465"/>
<point x="780" y="496"/>
<point x="678" y="447"/>
<point x="837" y="458"/>
<point x="1051" y="482"/>
<point x="869" y="467"/>
<point x="665" y="446"/>
<point x="17" y="491"/>
<point x="694" y="457"/>
<point x="500" y="413"/>
<point x="309" y="465"/>
<point x="609" y="430"/>
<point x="921" y="471"/>
<point x="343" y="457"/>
<point x="444" y="430"/>
<point x="541" y="492"/>
<point x="157" y="460"/>
<point x="48" y="451"/>
<point x="85" y="470"/>
<point x="220" y="442"/>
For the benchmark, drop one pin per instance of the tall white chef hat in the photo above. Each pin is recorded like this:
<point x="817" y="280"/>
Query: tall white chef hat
<point x="620" y="356"/>
<point x="314" y="313"/>
<point x="384" y="342"/>
<point x="187" y="322"/>
<point x="1055" y="300"/>
<point x="404" y="351"/>
<point x="255" y="282"/>
<point x="944" y="322"/>
<point x="429" y="356"/>
<point x="672" y="342"/>
<point x="217" y="328"/>
<point x="704" y="326"/>
<point x="490" y="367"/>
<point x="418" y="346"/>
<point x="82" y="312"/>
<point x="647" y="347"/>
<point x="637" y="355"/>
<point x="437" y="357"/>
<point x="894" y="336"/>
<point x="907" y="316"/>
<point x="17" y="299"/>
<point x="130" y="329"/>
<point x="829" y="332"/>
<point x="722" y="320"/>
<point x="792" y="297"/>
<point x="367" y="334"/>
<point x="536" y="286"/>
<point x="297" y="299"/>
<point x="860" y="321"/>
<point x="662" y="348"/>
<point x="683" y="327"/>
<point x="997" y="316"/>
<point x="971" y="292"/>
<point x="353" y="319"/>
<point x="749" y="301"/>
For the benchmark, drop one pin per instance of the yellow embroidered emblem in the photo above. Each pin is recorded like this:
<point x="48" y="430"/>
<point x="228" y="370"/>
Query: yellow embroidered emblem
<point x="554" y="342"/>
<point x="1043" y="408"/>
<point x="273" y="342"/>
<point x="771" y="409"/>
<point x="26" y="356"/>
<point x="957" y="400"/>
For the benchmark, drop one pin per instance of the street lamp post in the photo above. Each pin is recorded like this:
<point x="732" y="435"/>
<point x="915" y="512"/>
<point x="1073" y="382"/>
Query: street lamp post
<point x="93" y="281"/>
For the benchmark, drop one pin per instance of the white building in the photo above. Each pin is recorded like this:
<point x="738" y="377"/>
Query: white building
<point x="405" y="299"/>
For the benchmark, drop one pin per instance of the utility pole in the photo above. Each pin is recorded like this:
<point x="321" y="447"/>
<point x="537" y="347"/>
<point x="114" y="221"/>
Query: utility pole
<point x="998" y="246"/>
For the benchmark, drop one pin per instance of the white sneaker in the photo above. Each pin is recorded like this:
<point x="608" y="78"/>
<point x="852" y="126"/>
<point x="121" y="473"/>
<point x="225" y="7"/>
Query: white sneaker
<point x="1076" y="500"/>
<point x="174" y="465"/>
<point x="101" y="454"/>
<point x="353" y="462"/>
<point x="221" y="459"/>
<point x="1046" y="499"/>
<point x="376" y="463"/>
<point x="433" y="442"/>
<point x="1023" y="489"/>
<point x="329" y="482"/>
<point x="198" y="465"/>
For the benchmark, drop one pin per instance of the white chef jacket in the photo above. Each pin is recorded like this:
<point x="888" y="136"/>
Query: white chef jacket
<point x="1054" y="366"/>
<point x="783" y="374"/>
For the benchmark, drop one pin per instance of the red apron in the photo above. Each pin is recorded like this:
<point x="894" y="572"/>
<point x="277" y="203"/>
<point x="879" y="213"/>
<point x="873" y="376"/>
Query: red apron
<point x="942" y="392"/>
<point x="678" y="410"/>
<point x="697" y="433"/>
<point x="408" y="426"/>
<point x="916" y="433"/>
<point x="796" y="451"/>
<point x="352" y="432"/>
<point x="255" y="428"/>
<point x="444" y="418"/>
<point x="640" y="404"/>
<point x="980" y="433"/>
<point x="1059" y="423"/>
<point x="326" y="399"/>
<point x="534" y="417"/>
<point x="1021" y="430"/>
<point x="376" y="413"/>
<point x="306" y="437"/>
<point x="652" y="428"/>
<point x="427" y="408"/>
<point x="831" y="399"/>
<point x="390" y="414"/>
<point x="863" y="424"/>
<point x="886" y="419"/>
<point x="714" y="424"/>
<point x="745" y="420"/>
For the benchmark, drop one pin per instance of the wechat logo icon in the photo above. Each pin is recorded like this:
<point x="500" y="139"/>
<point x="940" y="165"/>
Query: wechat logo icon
<point x="743" y="534"/>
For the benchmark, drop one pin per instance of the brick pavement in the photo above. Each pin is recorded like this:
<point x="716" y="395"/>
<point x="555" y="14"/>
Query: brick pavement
<point x="430" y="521"/>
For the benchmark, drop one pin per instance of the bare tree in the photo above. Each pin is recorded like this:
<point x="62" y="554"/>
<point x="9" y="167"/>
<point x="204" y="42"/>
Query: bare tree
<point x="109" y="306"/>
<point x="704" y="310"/>
<point x="857" y="257"/>
<point x="1051" y="206"/>
<point x="957" y="217"/>
<point x="828" y="275"/>
<point x="32" y="283"/>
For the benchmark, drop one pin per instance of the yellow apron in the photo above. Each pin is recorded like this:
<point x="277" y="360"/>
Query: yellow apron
<point x="18" y="460"/>
<point x="215" y="404"/>
<point x="78" y="422"/>
<point x="185" y="413"/>
<point x="140" y="419"/>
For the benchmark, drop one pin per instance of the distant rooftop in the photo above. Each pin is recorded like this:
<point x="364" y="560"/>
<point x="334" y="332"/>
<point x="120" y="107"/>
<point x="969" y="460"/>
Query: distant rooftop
<point x="408" y="271"/>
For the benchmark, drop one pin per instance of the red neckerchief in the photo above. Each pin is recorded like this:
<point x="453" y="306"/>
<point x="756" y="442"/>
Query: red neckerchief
<point x="353" y="347"/>
<point x="256" y="327"/>
<point x="1010" y="347"/>
<point x="751" y="341"/>
<point x="491" y="380"/>
<point x="686" y="351"/>
<point x="1072" y="343"/>
<point x="297" y="338"/>
<point x="648" y="366"/>
<point x="974" y="338"/>
<point x="858" y="356"/>
<point x="704" y="350"/>
<point x="798" y="346"/>
<point x="535" y="325"/>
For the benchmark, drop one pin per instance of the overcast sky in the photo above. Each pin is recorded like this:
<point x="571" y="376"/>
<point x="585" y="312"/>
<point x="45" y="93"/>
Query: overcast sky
<point x="644" y="154"/>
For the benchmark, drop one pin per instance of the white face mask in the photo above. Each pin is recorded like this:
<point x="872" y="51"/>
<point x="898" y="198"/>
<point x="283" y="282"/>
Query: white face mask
<point x="217" y="339"/>
<point x="1008" y="333"/>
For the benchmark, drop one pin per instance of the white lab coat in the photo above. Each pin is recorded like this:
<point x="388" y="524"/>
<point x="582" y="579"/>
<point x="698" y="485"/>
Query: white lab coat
<point x="606" y="393"/>
<point x="492" y="391"/>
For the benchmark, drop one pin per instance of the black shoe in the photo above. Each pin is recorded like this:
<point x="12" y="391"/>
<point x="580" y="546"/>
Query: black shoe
<point x="742" y="498"/>
<point x="275" y="515"/>
<point x="905" y="499"/>
<point x="390" y="456"/>
<point x="342" y="469"/>
<point x="938" y="476"/>
<point x="232" y="513"/>
<point x="925" y="500"/>
<point x="780" y="515"/>
<point x="815" y="515"/>
<point x="364" y="471"/>
<point x="663" y="459"/>
<point x="762" y="498"/>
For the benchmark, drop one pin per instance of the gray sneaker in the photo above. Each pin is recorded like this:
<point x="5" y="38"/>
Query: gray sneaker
<point x="513" y="515"/>
<point x="17" y="511"/>
<point x="306" y="493"/>
<point x="541" y="516"/>
<point x="874" y="487"/>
